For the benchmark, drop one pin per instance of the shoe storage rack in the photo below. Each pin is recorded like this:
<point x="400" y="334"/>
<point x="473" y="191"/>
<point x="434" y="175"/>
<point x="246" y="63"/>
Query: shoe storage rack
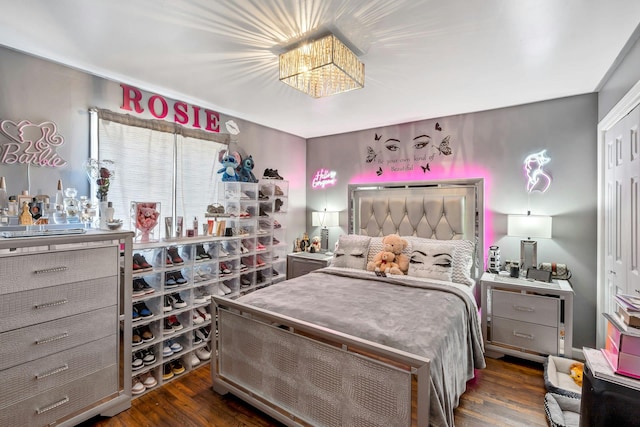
<point x="173" y="280"/>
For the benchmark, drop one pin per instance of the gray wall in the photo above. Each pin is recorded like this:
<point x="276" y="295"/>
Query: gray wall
<point x="622" y="78"/>
<point x="492" y="145"/>
<point x="36" y="90"/>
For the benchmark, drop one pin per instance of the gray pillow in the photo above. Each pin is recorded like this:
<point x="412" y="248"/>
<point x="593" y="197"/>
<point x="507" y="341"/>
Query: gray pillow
<point x="431" y="261"/>
<point x="351" y="252"/>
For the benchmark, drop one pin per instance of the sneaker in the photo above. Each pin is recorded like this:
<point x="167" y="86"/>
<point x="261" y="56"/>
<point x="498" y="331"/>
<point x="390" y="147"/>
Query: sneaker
<point x="141" y="262"/>
<point x="167" y="304"/>
<point x="262" y="212"/>
<point x="260" y="247"/>
<point x="224" y="288"/>
<point x="200" y="251"/>
<point x="175" y="258"/>
<point x="262" y="196"/>
<point x="243" y="249"/>
<point x="143" y="311"/>
<point x="136" y="362"/>
<point x="138" y="288"/>
<point x="146" y="334"/>
<point x="167" y="328"/>
<point x="201" y="296"/>
<point x="243" y="267"/>
<point x="259" y="261"/>
<point x="202" y="312"/>
<point x="137" y="387"/>
<point x="176" y="301"/>
<point x="197" y="319"/>
<point x="244" y="282"/>
<point x="220" y="292"/>
<point x="259" y="277"/>
<point x="180" y="280"/>
<point x="222" y="253"/>
<point x="148" y="289"/>
<point x="174" y="346"/>
<point x="136" y="338"/>
<point x="275" y="174"/>
<point x="177" y="367"/>
<point x="196" y="339"/>
<point x="148" y="380"/>
<point x="167" y="371"/>
<point x="203" y="353"/>
<point x="166" y="350"/>
<point x="201" y="335"/>
<point x="175" y="324"/>
<point x="275" y="273"/>
<point x="278" y="192"/>
<point x="194" y="360"/>
<point x="276" y="224"/>
<point x="275" y="241"/>
<point x="170" y="281"/>
<point x="148" y="358"/>
<point x="224" y="269"/>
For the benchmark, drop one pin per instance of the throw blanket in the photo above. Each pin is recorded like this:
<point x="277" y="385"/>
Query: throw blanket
<point x="432" y="319"/>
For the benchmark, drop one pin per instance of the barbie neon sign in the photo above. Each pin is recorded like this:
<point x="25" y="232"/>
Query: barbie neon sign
<point x="324" y="178"/>
<point x="31" y="144"/>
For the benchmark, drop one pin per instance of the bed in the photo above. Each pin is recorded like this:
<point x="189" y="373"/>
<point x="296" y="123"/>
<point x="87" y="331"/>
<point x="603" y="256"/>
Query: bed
<point x="342" y="346"/>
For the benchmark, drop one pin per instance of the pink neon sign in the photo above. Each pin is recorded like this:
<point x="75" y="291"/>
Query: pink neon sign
<point x="324" y="178"/>
<point x="34" y="144"/>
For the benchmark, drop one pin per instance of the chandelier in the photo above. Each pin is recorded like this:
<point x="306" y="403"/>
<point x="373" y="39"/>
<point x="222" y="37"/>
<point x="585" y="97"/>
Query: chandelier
<point x="322" y="67"/>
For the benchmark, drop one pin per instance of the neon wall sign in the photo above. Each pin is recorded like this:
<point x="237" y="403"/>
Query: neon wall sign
<point x="537" y="178"/>
<point x="31" y="144"/>
<point x="324" y="178"/>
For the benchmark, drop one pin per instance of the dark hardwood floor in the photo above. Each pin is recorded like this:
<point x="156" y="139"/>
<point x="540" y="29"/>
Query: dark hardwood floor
<point x="509" y="392"/>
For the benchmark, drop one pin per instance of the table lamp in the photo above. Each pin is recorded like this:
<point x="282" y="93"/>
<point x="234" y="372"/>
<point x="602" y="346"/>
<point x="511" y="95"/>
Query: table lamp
<point x="529" y="226"/>
<point x="324" y="219"/>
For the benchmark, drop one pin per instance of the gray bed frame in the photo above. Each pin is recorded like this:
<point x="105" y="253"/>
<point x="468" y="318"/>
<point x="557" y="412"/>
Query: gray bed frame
<point x="277" y="363"/>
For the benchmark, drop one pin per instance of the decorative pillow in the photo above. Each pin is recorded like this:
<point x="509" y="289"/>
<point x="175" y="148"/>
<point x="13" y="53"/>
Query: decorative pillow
<point x="351" y="252"/>
<point x="431" y="261"/>
<point x="462" y="257"/>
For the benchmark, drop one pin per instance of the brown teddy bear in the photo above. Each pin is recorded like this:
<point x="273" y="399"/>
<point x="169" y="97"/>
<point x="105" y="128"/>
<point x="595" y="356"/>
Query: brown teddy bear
<point x="384" y="261"/>
<point x="396" y="244"/>
<point x="576" y="370"/>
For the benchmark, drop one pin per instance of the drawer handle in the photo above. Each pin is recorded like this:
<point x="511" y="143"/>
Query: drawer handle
<point x="521" y="335"/>
<point x="51" y="339"/>
<point x="52" y="372"/>
<point x="52" y="406"/>
<point x="51" y="270"/>
<point x="52" y="304"/>
<point x="523" y="308"/>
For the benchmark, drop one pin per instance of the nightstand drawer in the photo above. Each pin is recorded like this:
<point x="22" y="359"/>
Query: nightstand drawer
<point x="58" y="369"/>
<point x="20" y="309"/>
<point x="34" y="271"/>
<point x="33" y="342"/>
<point x="526" y="308"/>
<point x="543" y="339"/>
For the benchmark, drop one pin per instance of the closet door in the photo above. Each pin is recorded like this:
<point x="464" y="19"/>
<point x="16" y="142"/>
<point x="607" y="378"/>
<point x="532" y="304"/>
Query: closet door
<point x="632" y="178"/>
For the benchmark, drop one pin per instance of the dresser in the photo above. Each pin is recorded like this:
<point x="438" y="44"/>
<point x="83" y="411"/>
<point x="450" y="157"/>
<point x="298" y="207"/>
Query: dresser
<point x="61" y="312"/>
<point x="525" y="318"/>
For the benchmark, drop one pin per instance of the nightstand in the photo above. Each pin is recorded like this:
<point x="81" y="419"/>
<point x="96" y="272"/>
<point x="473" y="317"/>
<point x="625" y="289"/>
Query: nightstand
<point x="300" y="263"/>
<point x="527" y="319"/>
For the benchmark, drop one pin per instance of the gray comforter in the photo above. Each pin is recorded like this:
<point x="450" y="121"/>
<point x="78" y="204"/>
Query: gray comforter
<point x="433" y="320"/>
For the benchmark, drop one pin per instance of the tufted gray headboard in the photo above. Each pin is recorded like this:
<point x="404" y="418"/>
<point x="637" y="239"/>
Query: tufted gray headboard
<point x="442" y="210"/>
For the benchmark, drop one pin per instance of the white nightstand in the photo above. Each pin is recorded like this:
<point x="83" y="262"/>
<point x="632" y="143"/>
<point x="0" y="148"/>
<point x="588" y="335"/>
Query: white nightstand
<point x="525" y="318"/>
<point x="300" y="263"/>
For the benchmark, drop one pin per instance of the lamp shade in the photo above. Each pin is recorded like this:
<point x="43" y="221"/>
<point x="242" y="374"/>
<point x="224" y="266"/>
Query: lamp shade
<point x="325" y="219"/>
<point x="529" y="226"/>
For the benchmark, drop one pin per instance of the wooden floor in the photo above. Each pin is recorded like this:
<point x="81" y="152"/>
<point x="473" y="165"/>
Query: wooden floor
<point x="509" y="392"/>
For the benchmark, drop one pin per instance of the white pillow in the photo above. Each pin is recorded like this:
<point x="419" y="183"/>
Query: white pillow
<point x="431" y="261"/>
<point x="351" y="252"/>
<point x="462" y="257"/>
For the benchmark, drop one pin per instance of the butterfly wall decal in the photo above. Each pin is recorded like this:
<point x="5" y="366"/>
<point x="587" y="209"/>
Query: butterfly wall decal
<point x="371" y="155"/>
<point x="378" y="137"/>
<point x="379" y="171"/>
<point x="425" y="168"/>
<point x="438" y="127"/>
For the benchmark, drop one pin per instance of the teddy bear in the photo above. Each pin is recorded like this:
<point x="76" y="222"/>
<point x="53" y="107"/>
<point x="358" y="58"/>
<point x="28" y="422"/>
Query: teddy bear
<point x="315" y="244"/>
<point x="396" y="244"/>
<point x="384" y="261"/>
<point x="576" y="370"/>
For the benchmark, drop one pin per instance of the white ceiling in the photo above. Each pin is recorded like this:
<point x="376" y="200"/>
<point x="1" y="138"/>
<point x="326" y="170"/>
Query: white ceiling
<point x="423" y="58"/>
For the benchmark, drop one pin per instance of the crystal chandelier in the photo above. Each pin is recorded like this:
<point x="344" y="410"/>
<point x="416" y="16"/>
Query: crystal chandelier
<point x="322" y="67"/>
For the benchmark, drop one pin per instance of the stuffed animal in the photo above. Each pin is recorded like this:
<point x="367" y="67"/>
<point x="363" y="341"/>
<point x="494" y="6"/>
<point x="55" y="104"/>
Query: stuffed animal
<point x="246" y="170"/>
<point x="230" y="163"/>
<point x="396" y="244"/>
<point x="576" y="370"/>
<point x="384" y="261"/>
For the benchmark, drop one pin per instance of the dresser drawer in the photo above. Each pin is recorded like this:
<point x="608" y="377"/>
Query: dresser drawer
<point x="26" y="308"/>
<point x="54" y="404"/>
<point x="37" y="270"/>
<point x="527" y="308"/>
<point x="33" y="342"/>
<point x="530" y="336"/>
<point x="58" y="369"/>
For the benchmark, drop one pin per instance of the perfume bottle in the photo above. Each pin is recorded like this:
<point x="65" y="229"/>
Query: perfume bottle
<point x="71" y="205"/>
<point x="59" y="196"/>
<point x="4" y="200"/>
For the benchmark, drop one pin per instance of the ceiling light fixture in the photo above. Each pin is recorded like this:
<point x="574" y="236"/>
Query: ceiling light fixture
<point x="322" y="67"/>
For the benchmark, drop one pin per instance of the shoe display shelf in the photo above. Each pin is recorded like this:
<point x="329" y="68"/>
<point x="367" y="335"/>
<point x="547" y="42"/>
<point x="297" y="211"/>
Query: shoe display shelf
<point x="274" y="203"/>
<point x="172" y="286"/>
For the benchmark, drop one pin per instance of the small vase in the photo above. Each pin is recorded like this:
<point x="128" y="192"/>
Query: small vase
<point x="102" y="212"/>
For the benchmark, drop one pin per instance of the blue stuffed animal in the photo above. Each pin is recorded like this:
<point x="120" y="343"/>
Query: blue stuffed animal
<point x="245" y="171"/>
<point x="229" y="165"/>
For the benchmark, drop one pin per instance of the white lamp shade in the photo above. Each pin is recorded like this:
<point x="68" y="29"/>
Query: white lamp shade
<point x="325" y="219"/>
<point x="529" y="226"/>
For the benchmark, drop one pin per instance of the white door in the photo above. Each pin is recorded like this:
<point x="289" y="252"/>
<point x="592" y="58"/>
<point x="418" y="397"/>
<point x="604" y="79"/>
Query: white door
<point x="632" y="179"/>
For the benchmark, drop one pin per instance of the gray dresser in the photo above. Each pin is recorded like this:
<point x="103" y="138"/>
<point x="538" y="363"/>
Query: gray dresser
<point x="61" y="354"/>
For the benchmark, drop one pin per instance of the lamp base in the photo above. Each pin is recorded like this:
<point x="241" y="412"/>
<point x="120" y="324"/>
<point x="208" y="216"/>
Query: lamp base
<point x="324" y="239"/>
<point x="528" y="254"/>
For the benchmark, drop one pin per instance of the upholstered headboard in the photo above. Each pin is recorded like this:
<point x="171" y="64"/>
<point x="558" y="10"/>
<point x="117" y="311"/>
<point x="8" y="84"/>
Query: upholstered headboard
<point x="442" y="210"/>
